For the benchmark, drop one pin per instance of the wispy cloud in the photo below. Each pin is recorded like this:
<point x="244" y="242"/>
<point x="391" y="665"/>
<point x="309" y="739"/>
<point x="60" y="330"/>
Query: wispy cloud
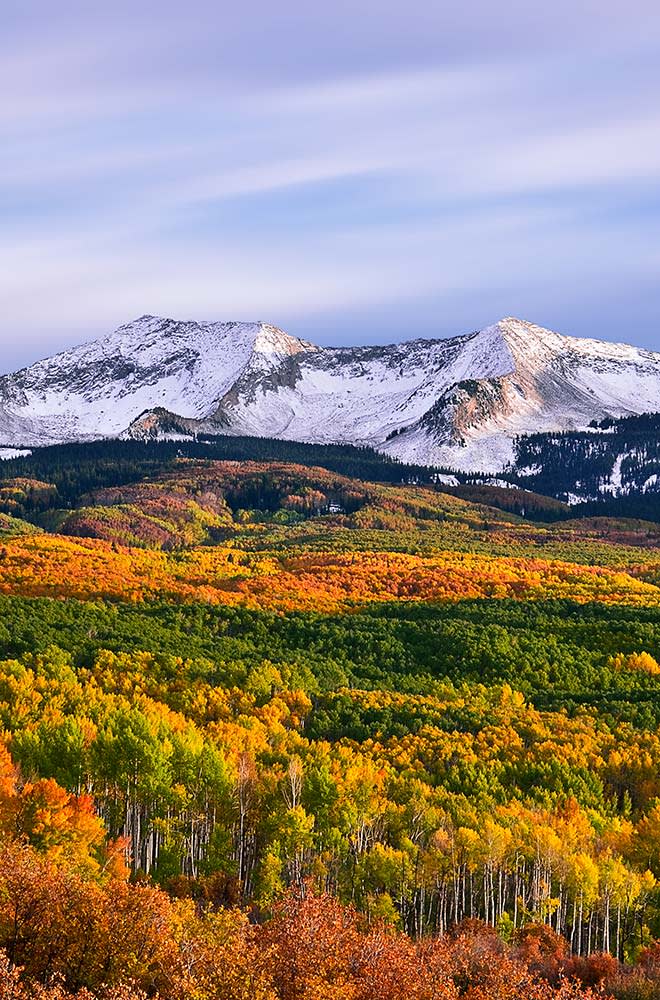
<point x="270" y="162"/>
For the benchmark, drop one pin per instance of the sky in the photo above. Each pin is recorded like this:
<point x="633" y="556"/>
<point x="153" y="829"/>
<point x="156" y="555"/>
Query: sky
<point x="354" y="172"/>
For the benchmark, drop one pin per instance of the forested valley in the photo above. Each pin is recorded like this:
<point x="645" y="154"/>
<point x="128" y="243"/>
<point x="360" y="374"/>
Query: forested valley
<point x="272" y="730"/>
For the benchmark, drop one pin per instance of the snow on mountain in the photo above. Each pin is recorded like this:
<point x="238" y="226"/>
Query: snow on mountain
<point x="548" y="382"/>
<point x="100" y="388"/>
<point x="456" y="402"/>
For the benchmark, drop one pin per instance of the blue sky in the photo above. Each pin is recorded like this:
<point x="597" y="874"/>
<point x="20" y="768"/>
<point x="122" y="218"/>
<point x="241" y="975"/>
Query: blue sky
<point x="353" y="172"/>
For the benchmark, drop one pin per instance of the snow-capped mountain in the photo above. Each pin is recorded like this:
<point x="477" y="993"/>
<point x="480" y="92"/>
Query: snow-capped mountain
<point x="456" y="402"/>
<point x="98" y="390"/>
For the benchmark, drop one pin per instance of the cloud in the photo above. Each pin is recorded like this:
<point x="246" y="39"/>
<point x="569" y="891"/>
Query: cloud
<point x="295" y="163"/>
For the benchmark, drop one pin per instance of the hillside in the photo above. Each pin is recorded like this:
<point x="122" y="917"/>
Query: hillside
<point x="330" y="702"/>
<point x="610" y="459"/>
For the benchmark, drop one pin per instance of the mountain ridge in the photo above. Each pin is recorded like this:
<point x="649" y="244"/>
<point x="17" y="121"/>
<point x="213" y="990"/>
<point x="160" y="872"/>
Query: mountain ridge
<point x="458" y="401"/>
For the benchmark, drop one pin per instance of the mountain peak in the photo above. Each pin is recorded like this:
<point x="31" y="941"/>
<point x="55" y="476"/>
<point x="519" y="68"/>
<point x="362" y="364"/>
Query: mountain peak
<point x="526" y="342"/>
<point x="149" y="331"/>
<point x="511" y="326"/>
<point x="271" y="340"/>
<point x="515" y="321"/>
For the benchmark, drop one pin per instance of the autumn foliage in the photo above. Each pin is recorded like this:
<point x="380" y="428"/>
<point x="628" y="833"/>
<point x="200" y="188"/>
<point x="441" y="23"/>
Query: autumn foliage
<point x="44" y="565"/>
<point x="269" y="732"/>
<point x="63" y="935"/>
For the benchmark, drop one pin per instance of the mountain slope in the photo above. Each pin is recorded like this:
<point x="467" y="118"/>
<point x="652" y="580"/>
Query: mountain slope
<point x="548" y="382"/>
<point x="457" y="402"/>
<point x="613" y="459"/>
<point x="98" y="389"/>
